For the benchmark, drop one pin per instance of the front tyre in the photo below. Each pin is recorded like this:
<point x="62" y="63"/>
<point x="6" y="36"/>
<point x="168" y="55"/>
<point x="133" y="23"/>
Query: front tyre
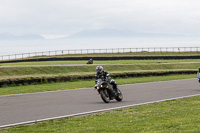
<point x="105" y="96"/>
<point x="119" y="95"/>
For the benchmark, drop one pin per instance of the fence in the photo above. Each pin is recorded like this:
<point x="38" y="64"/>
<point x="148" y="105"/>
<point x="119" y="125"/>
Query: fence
<point x="91" y="51"/>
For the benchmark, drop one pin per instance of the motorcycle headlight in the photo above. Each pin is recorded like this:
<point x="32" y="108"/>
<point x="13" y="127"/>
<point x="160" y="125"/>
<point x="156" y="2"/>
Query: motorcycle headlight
<point x="101" y="85"/>
<point x="97" y="88"/>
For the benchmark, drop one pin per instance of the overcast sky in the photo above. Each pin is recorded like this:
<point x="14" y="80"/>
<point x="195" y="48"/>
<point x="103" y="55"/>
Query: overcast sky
<point x="59" y="18"/>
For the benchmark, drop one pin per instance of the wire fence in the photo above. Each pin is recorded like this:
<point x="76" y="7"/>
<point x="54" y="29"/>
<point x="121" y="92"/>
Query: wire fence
<point x="92" y="51"/>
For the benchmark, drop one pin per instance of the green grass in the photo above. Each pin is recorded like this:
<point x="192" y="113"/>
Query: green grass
<point x="84" y="84"/>
<point x="99" y="62"/>
<point x="181" y="115"/>
<point x="60" y="70"/>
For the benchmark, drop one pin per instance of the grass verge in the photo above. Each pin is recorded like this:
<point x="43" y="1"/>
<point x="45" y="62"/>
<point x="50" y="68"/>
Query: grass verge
<point x="85" y="84"/>
<point x="170" y="116"/>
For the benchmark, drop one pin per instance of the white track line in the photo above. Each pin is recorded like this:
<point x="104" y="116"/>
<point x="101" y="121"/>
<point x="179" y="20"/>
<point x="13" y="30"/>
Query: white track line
<point x="95" y="111"/>
<point x="88" y="88"/>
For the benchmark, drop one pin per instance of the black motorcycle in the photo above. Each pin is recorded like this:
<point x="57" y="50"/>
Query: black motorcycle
<point x="90" y="61"/>
<point x="104" y="89"/>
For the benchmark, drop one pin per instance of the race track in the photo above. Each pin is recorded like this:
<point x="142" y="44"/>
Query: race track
<point x="27" y="108"/>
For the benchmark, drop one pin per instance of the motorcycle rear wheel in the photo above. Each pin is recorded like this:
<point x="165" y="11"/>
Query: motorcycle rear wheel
<point x="119" y="95"/>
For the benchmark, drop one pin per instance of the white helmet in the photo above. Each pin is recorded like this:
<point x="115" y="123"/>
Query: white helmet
<point x="99" y="69"/>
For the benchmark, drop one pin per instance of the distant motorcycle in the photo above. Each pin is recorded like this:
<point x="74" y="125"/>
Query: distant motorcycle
<point x="106" y="93"/>
<point x="90" y="61"/>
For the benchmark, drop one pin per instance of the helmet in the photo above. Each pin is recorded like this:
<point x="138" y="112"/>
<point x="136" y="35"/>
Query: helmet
<point x="99" y="69"/>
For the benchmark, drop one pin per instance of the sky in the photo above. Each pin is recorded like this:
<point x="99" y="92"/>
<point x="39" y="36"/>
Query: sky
<point x="58" y="19"/>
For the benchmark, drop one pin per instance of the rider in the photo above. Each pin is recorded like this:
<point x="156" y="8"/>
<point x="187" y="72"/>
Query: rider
<point x="90" y="61"/>
<point x="106" y="77"/>
<point x="198" y="74"/>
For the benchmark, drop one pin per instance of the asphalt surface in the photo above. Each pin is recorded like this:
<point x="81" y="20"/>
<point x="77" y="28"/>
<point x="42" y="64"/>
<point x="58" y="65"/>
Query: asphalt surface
<point x="36" y="106"/>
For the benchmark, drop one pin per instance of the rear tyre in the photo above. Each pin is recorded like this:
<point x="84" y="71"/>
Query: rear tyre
<point x="105" y="96"/>
<point x="119" y="95"/>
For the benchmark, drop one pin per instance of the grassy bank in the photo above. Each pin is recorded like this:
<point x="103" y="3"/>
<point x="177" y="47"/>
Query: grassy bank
<point x="84" y="84"/>
<point x="44" y="79"/>
<point x="170" y="116"/>
<point x="22" y="74"/>
<point x="100" y="62"/>
<point x="60" y="70"/>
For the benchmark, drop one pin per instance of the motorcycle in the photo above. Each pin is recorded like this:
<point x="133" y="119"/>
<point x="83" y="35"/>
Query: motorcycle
<point x="90" y="61"/>
<point x="104" y="89"/>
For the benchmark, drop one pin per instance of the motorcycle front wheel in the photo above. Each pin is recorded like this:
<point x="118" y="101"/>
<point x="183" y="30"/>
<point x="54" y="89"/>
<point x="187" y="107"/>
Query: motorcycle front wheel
<point x="105" y="96"/>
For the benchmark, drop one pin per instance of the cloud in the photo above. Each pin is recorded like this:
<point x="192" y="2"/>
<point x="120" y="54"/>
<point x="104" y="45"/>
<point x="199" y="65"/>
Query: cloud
<point x="8" y="36"/>
<point x="52" y="18"/>
<point x="55" y="36"/>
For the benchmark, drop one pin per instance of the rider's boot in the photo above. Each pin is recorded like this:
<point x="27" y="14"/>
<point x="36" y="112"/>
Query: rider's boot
<point x="114" y="93"/>
<point x="114" y="90"/>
